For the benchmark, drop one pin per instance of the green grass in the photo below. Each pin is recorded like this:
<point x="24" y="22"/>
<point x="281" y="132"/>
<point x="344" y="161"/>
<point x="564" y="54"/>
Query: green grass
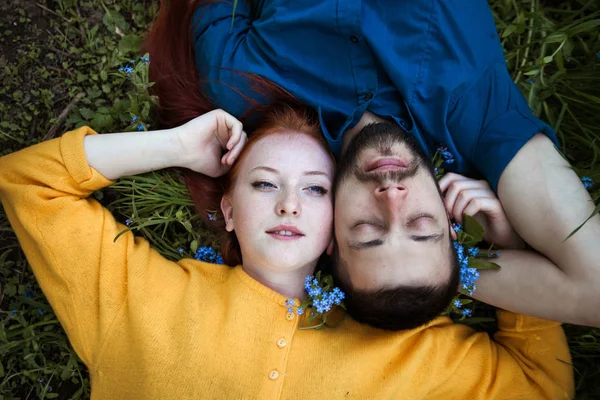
<point x="63" y="57"/>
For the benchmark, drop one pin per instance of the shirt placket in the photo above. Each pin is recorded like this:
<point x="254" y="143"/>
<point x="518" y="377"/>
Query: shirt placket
<point x="280" y="344"/>
<point x="362" y="60"/>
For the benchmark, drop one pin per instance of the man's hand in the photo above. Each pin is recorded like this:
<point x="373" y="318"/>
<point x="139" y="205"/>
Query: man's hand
<point x="466" y="196"/>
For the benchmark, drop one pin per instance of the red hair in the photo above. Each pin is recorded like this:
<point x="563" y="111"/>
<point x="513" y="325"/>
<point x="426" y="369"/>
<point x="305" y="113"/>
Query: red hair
<point x="173" y="67"/>
<point x="207" y="192"/>
<point x="180" y="99"/>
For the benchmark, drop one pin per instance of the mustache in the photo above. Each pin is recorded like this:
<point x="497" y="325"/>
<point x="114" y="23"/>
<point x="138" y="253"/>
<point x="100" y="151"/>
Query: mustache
<point x="394" y="176"/>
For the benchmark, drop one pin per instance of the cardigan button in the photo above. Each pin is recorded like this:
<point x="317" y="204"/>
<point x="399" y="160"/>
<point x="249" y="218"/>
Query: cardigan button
<point x="281" y="343"/>
<point x="353" y="39"/>
<point x="273" y="375"/>
<point x="368" y="96"/>
<point x="289" y="316"/>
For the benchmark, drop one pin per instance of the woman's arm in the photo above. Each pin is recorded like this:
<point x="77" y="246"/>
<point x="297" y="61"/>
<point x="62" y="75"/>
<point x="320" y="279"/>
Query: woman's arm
<point x="528" y="358"/>
<point x="196" y="145"/>
<point x="69" y="238"/>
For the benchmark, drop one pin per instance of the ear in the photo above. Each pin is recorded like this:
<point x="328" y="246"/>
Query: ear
<point x="227" y="209"/>
<point x="453" y="234"/>
<point x="330" y="248"/>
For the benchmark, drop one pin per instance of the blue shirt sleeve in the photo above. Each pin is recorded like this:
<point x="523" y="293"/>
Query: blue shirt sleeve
<point x="490" y="121"/>
<point x="217" y="33"/>
<point x="227" y="51"/>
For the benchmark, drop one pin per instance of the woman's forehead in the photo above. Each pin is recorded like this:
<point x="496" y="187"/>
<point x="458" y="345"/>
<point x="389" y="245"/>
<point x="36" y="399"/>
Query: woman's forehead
<point x="290" y="151"/>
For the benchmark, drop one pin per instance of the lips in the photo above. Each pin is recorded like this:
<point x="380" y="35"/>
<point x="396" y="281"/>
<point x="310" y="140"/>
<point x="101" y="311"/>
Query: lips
<point x="285" y="232"/>
<point x="386" y="164"/>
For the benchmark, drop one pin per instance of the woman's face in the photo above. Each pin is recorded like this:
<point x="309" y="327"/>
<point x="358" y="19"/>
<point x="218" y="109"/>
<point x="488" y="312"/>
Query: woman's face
<point x="280" y="205"/>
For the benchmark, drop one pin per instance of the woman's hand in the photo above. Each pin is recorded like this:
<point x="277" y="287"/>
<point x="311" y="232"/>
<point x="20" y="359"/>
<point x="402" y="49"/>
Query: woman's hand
<point x="466" y="196"/>
<point x="204" y="140"/>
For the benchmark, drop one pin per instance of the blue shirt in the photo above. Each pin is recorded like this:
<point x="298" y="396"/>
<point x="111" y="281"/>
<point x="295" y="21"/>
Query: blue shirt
<point x="436" y="67"/>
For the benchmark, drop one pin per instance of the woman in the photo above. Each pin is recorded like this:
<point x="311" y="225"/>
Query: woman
<point x="150" y="328"/>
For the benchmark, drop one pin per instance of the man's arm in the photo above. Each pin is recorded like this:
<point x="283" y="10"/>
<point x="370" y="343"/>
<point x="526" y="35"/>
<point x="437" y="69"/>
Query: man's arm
<point x="528" y="282"/>
<point x="545" y="201"/>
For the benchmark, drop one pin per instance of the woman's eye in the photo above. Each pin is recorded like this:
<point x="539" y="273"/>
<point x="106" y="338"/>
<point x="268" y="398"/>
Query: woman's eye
<point x="318" y="190"/>
<point x="263" y="185"/>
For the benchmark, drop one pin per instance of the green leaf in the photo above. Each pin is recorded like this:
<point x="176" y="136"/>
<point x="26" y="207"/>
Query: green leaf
<point x="101" y="122"/>
<point x="66" y="374"/>
<point x="473" y="228"/>
<point x="113" y="20"/>
<point x="194" y="246"/>
<point x="556" y="37"/>
<point x="481" y="264"/>
<point x="509" y="30"/>
<point x="594" y="213"/>
<point x="583" y="27"/>
<point x="130" y="44"/>
<point x="235" y="4"/>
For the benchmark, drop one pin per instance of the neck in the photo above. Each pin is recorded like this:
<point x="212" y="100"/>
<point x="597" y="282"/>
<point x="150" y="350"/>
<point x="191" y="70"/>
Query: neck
<point x="287" y="283"/>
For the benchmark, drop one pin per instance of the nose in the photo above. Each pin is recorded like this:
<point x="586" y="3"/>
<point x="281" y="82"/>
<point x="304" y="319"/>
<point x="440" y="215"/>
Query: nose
<point x="288" y="205"/>
<point x="391" y="195"/>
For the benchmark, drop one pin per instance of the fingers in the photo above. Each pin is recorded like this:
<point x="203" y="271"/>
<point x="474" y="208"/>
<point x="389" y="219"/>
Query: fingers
<point x="473" y="201"/>
<point x="231" y="129"/>
<point x="457" y="184"/>
<point x="450" y="178"/>
<point x="232" y="155"/>
<point x="490" y="207"/>
<point x="235" y="134"/>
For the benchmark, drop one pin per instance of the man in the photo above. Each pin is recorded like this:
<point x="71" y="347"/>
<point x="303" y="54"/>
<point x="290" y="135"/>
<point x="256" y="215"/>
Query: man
<point x="435" y="70"/>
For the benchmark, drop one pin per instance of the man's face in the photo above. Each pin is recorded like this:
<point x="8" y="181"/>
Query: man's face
<point x="391" y="225"/>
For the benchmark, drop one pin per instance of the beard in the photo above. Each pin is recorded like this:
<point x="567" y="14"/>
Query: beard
<point x="381" y="137"/>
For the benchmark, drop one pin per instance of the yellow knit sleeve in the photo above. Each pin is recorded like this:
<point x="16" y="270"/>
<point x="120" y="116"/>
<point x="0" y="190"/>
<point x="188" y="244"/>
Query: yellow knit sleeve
<point x="68" y="237"/>
<point x="528" y="358"/>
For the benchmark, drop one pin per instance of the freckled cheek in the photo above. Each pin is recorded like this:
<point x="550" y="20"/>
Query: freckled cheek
<point x="322" y="221"/>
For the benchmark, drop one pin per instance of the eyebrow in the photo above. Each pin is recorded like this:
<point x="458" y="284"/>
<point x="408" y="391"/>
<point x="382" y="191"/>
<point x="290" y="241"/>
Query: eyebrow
<point x="378" y="242"/>
<point x="273" y="170"/>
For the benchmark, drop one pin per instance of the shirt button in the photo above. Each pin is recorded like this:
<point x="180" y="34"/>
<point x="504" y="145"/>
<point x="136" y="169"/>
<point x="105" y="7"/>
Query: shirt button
<point x="289" y="316"/>
<point x="353" y="39"/>
<point x="273" y="375"/>
<point x="281" y="343"/>
<point x="368" y="96"/>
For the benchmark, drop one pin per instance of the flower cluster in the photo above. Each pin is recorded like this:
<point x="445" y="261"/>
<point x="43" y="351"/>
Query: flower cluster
<point x="322" y="296"/>
<point x="448" y="156"/>
<point x="128" y="69"/>
<point x="322" y="300"/>
<point x="134" y="120"/>
<point x="290" y="304"/>
<point x="588" y="182"/>
<point x="208" y="254"/>
<point x="468" y="276"/>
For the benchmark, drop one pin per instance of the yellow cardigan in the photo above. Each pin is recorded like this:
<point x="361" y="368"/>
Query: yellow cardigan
<point x="150" y="328"/>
